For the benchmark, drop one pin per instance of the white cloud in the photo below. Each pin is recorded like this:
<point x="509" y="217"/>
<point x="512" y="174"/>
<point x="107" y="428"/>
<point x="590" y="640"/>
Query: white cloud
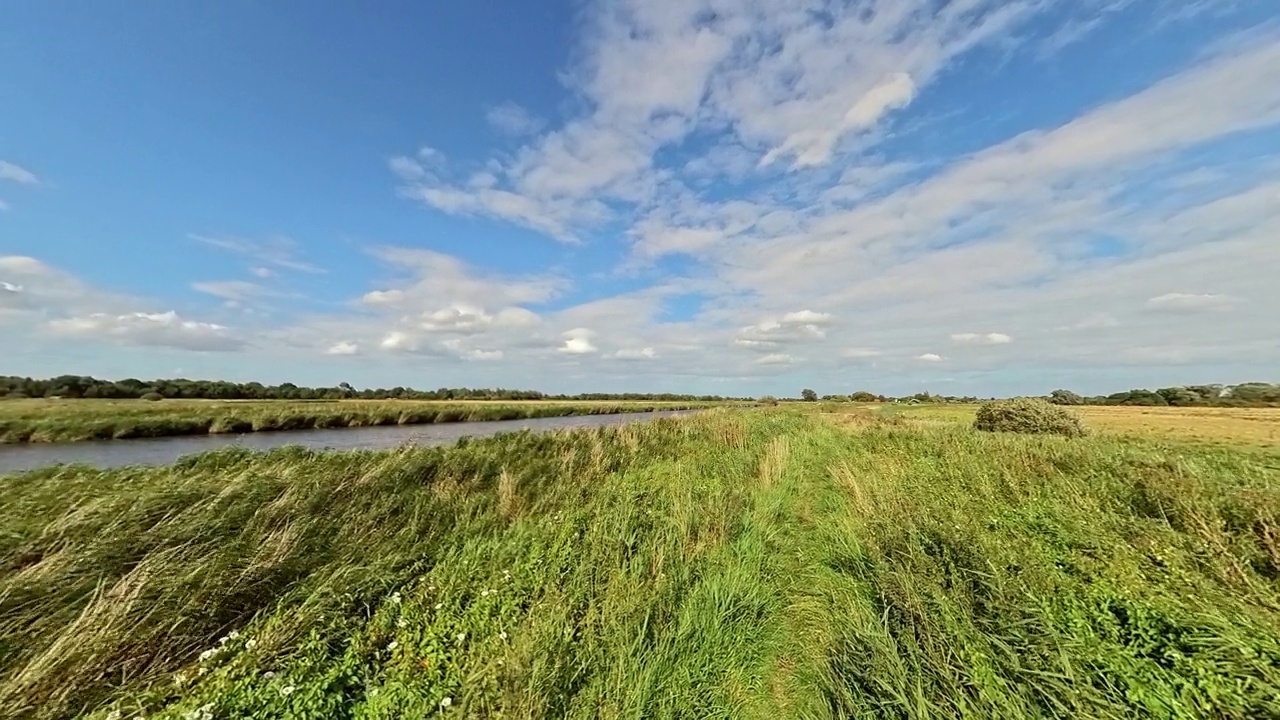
<point x="636" y="354"/>
<point x="511" y="119"/>
<point x="344" y="347"/>
<point x="150" y="329"/>
<point x="262" y="272"/>
<point x="578" y="342"/>
<point x="18" y="174"/>
<point x="775" y="359"/>
<point x="859" y="353"/>
<point x="930" y="358"/>
<point x="798" y="326"/>
<point x="970" y="338"/>
<point x="397" y="340"/>
<point x="1190" y="302"/>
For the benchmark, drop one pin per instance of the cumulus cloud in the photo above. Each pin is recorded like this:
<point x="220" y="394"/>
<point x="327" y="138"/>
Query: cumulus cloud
<point x="798" y="326"/>
<point x="151" y="329"/>
<point x="17" y="173"/>
<point x="970" y="338"/>
<point x="578" y="342"/>
<point x="930" y="358"/>
<point x="636" y="354"/>
<point x="344" y="347"/>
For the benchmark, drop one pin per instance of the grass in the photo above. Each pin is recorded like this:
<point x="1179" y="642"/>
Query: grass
<point x="23" y="421"/>
<point x="731" y="564"/>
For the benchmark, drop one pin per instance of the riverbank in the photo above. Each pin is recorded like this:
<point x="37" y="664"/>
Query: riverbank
<point x="725" y="564"/>
<point x="57" y="421"/>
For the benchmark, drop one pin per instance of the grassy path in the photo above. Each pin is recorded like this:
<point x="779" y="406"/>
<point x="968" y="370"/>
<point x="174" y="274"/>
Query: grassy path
<point x="753" y="565"/>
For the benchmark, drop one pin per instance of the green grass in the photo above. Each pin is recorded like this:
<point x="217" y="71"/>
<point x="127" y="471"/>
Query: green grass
<point x="23" y="421"/>
<point x="731" y="564"/>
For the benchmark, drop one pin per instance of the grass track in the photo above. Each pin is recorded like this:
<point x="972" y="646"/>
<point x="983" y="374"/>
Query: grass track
<point x="764" y="564"/>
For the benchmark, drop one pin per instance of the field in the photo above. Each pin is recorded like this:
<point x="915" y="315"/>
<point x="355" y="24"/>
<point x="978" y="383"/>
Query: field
<point x="764" y="563"/>
<point x="1255" y="427"/>
<point x="73" y="420"/>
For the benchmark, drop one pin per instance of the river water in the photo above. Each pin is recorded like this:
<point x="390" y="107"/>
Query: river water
<point x="163" y="451"/>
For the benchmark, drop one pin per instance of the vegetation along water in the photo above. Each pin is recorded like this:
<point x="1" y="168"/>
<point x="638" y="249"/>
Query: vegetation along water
<point x="767" y="563"/>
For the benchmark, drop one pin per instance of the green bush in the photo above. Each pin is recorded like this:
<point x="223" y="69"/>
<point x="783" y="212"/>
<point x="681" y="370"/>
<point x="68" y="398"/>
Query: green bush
<point x="1028" y="415"/>
<point x="152" y="396"/>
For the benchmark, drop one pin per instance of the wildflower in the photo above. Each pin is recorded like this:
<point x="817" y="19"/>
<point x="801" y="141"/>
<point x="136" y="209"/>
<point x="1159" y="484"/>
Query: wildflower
<point x="393" y="645"/>
<point x="269" y="674"/>
<point x="287" y="690"/>
<point x="208" y="654"/>
<point x="395" y="597"/>
<point x="439" y="605"/>
<point x="446" y="702"/>
<point x="251" y="644"/>
<point x="503" y="635"/>
<point x="113" y="715"/>
<point x="402" y="623"/>
<point x="484" y="593"/>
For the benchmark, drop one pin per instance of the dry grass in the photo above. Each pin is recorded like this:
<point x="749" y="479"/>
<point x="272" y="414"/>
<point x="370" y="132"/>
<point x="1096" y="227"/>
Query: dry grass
<point x="1255" y="427"/>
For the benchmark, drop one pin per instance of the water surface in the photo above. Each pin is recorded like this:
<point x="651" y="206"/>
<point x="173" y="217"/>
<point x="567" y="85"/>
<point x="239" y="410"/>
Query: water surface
<point x="165" y="450"/>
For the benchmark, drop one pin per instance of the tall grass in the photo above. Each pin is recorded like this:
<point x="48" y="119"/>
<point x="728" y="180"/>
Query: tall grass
<point x="77" y="420"/>
<point x="724" y="565"/>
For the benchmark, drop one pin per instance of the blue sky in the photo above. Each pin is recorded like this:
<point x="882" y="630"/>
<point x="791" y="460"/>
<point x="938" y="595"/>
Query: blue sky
<point x="728" y="196"/>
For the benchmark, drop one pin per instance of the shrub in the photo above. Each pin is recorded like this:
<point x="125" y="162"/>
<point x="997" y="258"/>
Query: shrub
<point x="768" y="400"/>
<point x="151" y="397"/>
<point x="1027" y="415"/>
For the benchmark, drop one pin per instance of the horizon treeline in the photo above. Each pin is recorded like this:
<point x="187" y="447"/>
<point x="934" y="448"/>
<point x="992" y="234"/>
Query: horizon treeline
<point x="83" y="386"/>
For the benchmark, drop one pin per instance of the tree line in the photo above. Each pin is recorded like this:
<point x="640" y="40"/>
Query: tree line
<point x="82" y="386"/>
<point x="1251" y="394"/>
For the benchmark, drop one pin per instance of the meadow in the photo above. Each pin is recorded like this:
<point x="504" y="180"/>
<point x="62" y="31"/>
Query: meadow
<point x="49" y="420"/>
<point x="763" y="563"/>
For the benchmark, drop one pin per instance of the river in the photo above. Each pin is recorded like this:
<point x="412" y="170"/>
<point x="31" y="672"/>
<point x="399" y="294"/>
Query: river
<point x="165" y="450"/>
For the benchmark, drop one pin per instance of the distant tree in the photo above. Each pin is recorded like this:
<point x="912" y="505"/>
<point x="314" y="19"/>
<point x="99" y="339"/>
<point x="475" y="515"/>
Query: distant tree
<point x="863" y="396"/>
<point x="1065" y="397"/>
<point x="808" y="395"/>
<point x="767" y="400"/>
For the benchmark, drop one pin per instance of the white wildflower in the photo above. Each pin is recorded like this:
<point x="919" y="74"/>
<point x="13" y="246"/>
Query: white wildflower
<point x="402" y="623"/>
<point x="269" y="674"/>
<point x="393" y="645"/>
<point x="113" y="715"/>
<point x="484" y="593"/>
<point x="207" y="654"/>
<point x="503" y="635"/>
<point x="439" y="605"/>
<point x="395" y="597"/>
<point x="250" y="644"/>
<point x="446" y="702"/>
<point x="462" y="636"/>
<point x="287" y="690"/>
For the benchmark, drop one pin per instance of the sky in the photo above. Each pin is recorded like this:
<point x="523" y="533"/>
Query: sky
<point x="739" y="197"/>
